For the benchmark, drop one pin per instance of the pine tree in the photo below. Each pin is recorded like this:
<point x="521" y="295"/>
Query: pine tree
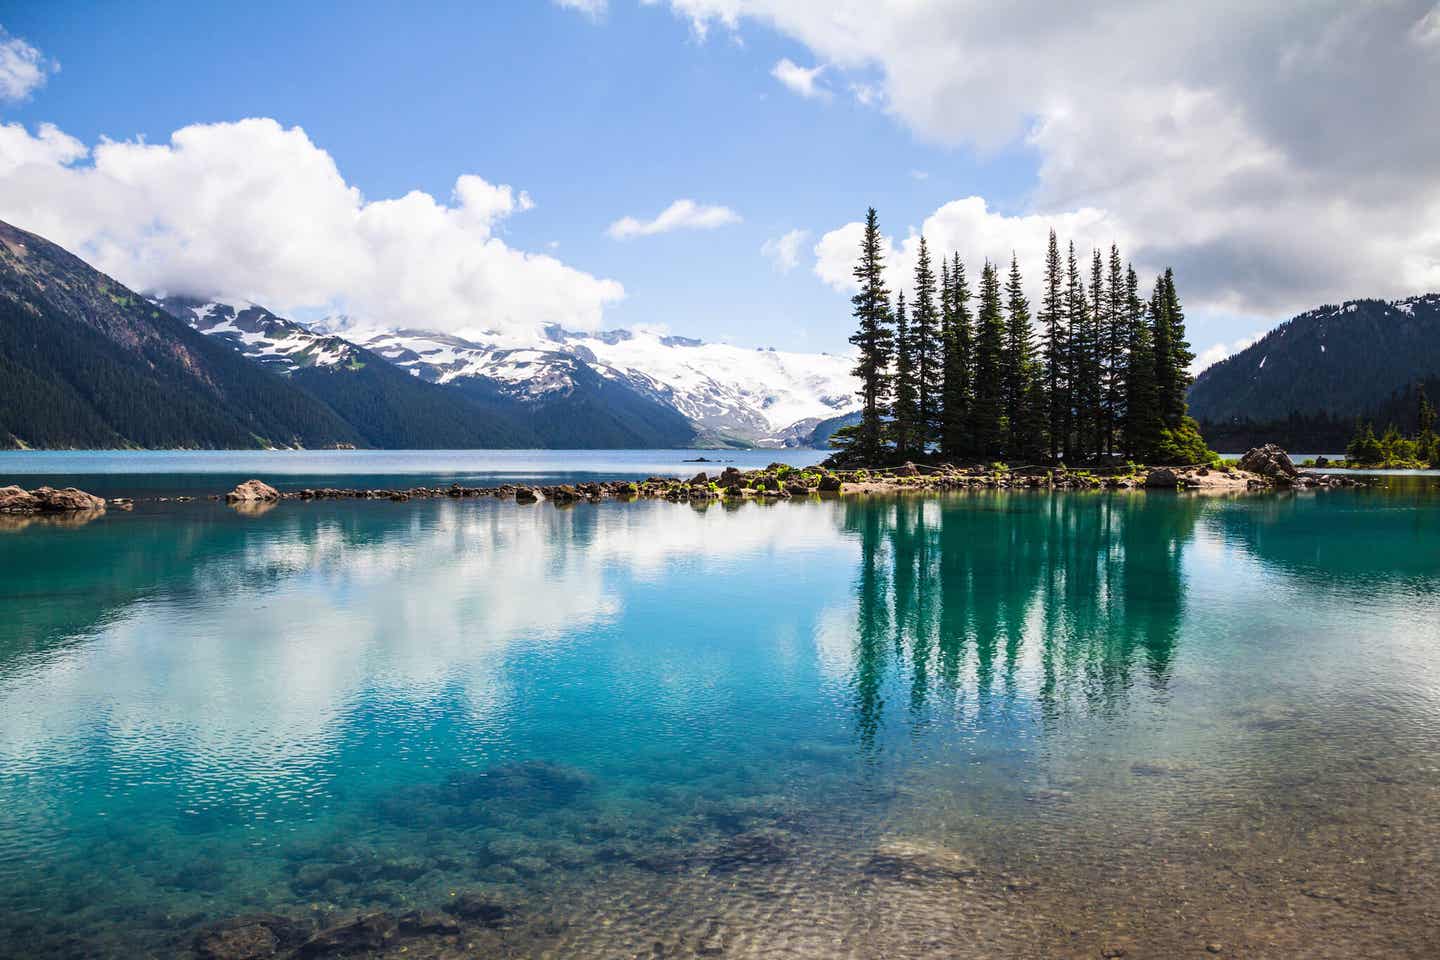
<point x="875" y="341"/>
<point x="1117" y="339"/>
<point x="1053" y="351"/>
<point x="1172" y="351"/>
<point x="928" y="348"/>
<point x="1427" y="446"/>
<point x="1018" y="370"/>
<point x="987" y="408"/>
<point x="1364" y="448"/>
<point x="956" y="440"/>
<point x="905" y="423"/>
<point x="1081" y="364"/>
<point x="1142" y="421"/>
<point x="1180" y="440"/>
<point x="1099" y="414"/>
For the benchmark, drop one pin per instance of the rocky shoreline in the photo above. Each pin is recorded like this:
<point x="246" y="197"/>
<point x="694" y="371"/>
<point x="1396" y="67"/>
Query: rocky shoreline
<point x="1262" y="469"/>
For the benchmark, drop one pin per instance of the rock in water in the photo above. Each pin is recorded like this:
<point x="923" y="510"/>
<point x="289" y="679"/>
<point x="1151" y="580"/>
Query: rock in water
<point x="528" y="495"/>
<point x="1162" y="478"/>
<point x="253" y="491"/>
<point x="255" y="937"/>
<point x="15" y="500"/>
<point x="1269" y="461"/>
<point x="49" y="500"/>
<point x="371" y="932"/>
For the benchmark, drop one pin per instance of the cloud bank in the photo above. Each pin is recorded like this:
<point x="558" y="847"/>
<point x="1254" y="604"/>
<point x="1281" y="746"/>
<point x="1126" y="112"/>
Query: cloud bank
<point x="1272" y="153"/>
<point x="252" y="209"/>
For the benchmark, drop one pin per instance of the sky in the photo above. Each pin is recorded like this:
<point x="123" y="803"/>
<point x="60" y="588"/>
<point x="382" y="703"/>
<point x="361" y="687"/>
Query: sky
<point x="701" y="166"/>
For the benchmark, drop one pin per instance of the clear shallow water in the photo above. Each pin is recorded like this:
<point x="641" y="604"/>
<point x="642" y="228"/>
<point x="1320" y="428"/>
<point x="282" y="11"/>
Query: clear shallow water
<point x="118" y="473"/>
<point x="979" y="725"/>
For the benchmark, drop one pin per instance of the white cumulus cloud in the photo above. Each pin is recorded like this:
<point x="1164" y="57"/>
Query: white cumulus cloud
<point x="680" y="215"/>
<point x="255" y="210"/>
<point x="801" y="80"/>
<point x="23" y="69"/>
<point x="784" y="250"/>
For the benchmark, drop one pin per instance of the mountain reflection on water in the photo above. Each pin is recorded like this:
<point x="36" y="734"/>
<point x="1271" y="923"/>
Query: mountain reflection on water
<point x="1009" y="724"/>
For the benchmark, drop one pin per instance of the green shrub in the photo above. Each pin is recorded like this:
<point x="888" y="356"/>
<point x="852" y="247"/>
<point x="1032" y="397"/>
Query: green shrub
<point x="1183" y="445"/>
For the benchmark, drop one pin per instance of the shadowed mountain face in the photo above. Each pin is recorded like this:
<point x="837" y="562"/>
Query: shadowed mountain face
<point x="89" y="363"/>
<point x="1343" y="362"/>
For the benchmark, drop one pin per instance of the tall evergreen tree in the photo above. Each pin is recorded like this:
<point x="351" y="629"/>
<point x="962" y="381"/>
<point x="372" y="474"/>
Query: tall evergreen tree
<point x="875" y="340"/>
<point x="1084" y="377"/>
<point x="956" y="440"/>
<point x="987" y="408"/>
<point x="1053" y="350"/>
<point x="1172" y="351"/>
<point x="1116" y="341"/>
<point x="928" y="347"/>
<point x="1142" y="420"/>
<point x="1100" y="415"/>
<point x="1019" y="369"/>
<point x="1180" y="440"/>
<point x="907" y="429"/>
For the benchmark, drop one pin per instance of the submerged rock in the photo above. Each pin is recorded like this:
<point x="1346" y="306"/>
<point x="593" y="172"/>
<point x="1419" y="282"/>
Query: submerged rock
<point x="528" y="780"/>
<point x="913" y="861"/>
<point x="762" y="845"/>
<point x="253" y="491"/>
<point x="485" y="907"/>
<point x="370" y="932"/>
<point x="254" y="937"/>
<point x="427" y="923"/>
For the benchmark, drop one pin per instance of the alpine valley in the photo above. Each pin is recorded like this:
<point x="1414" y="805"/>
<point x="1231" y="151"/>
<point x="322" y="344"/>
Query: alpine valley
<point x="94" y="364"/>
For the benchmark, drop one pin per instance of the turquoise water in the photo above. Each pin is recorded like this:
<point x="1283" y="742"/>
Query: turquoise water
<point x="974" y="725"/>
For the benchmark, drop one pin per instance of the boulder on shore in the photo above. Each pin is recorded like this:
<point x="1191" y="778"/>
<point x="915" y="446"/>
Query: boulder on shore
<point x="1269" y="461"/>
<point x="48" y="500"/>
<point x="253" y="491"/>
<point x="1162" y="478"/>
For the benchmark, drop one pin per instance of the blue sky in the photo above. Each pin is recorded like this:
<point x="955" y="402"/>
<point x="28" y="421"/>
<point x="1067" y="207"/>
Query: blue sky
<point x="621" y="114"/>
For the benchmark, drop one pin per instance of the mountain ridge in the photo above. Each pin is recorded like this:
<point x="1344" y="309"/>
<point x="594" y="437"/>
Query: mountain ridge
<point x="1306" y="382"/>
<point x="92" y="364"/>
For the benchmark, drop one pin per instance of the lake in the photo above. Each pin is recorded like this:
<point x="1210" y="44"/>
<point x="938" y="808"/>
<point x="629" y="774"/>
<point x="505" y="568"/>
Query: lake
<point x="988" y="724"/>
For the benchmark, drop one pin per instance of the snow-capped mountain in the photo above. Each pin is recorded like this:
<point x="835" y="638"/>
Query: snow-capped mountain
<point x="259" y="334"/>
<point x="756" y="395"/>
<point x="648" y="381"/>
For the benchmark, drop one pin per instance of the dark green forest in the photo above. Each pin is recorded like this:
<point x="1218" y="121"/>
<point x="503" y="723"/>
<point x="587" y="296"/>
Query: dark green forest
<point x="1305" y="383"/>
<point x="1094" y="372"/>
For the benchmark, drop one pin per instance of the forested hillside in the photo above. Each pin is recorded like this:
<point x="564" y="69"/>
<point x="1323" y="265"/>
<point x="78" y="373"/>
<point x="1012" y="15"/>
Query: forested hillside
<point x="89" y="363"/>
<point x="1342" y="361"/>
